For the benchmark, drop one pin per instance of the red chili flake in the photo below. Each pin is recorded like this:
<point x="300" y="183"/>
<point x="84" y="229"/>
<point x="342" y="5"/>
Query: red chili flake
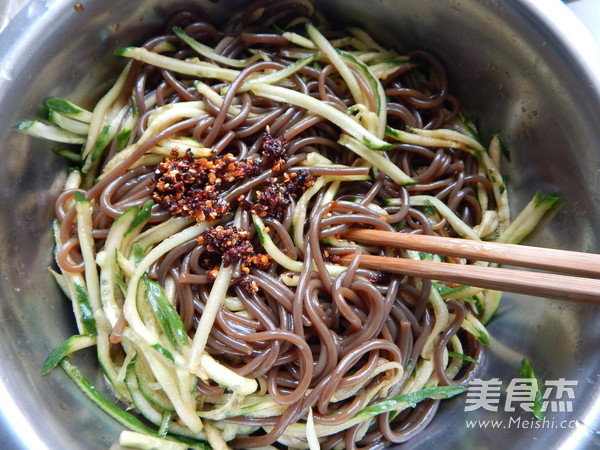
<point x="298" y="182"/>
<point x="274" y="200"/>
<point x="230" y="245"/>
<point x="274" y="148"/>
<point x="332" y="258"/>
<point x="249" y="286"/>
<point x="191" y="187"/>
<point x="258" y="260"/>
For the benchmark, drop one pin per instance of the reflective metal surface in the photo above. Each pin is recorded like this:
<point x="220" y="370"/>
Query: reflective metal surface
<point x="522" y="67"/>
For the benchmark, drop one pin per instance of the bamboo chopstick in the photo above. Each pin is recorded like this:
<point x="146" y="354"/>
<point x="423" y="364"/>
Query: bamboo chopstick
<point x="540" y="284"/>
<point x="563" y="261"/>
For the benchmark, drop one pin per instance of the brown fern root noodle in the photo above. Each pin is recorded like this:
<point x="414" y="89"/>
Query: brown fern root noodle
<point x="308" y="336"/>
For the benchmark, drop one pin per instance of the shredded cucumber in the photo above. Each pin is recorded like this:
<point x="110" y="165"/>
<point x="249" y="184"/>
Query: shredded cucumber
<point x="107" y="261"/>
<point x="71" y="345"/>
<point x="404" y="401"/>
<point x="275" y="77"/>
<point x="377" y="159"/>
<point x="158" y="120"/>
<point x="529" y="218"/>
<point x="527" y="372"/>
<point x="67" y="108"/>
<point x="209" y="53"/>
<point x="320" y="108"/>
<point x="197" y="69"/>
<point x="153" y="394"/>
<point x="104" y="121"/>
<point x="227" y="377"/>
<point x="126" y="419"/>
<point x="376" y="90"/>
<point x="300" y="213"/>
<point x="216" y="298"/>
<point x="336" y="60"/>
<point x="130" y="308"/>
<point x="167" y="316"/>
<point x="68" y="124"/>
<point x="52" y="133"/>
<point x="144" y="442"/>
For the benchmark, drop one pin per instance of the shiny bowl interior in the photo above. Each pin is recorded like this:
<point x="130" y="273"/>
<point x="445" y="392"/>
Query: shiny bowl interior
<point x="521" y="67"/>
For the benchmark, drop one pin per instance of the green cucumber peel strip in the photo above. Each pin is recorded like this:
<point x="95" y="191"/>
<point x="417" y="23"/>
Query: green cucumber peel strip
<point x="123" y="139"/>
<point x="121" y="283"/>
<point x="108" y="112"/>
<point x="409" y="400"/>
<point x="68" y="108"/>
<point x="68" y="154"/>
<point x="79" y="197"/>
<point x="141" y="218"/>
<point x="101" y="142"/>
<point x="482" y="336"/>
<point x="163" y="429"/>
<point x="452" y="354"/>
<point x="166" y="314"/>
<point x="86" y="314"/>
<point x="138" y="252"/>
<point x="71" y="345"/>
<point x="479" y="307"/>
<point x="101" y="401"/>
<point x="146" y="407"/>
<point x="463" y="292"/>
<point x="445" y="290"/>
<point x="490" y="307"/>
<point x="123" y="417"/>
<point x="527" y="371"/>
<point x="133" y="105"/>
<point x="468" y="125"/>
<point x="161" y="350"/>
<point x="436" y="138"/>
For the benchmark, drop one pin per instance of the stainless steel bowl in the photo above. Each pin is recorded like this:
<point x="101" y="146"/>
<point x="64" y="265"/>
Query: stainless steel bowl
<point x="522" y="67"/>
